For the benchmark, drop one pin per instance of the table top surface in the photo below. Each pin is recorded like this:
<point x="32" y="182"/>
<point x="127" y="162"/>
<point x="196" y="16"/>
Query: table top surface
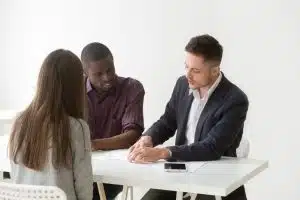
<point x="219" y="177"/>
<point x="8" y="115"/>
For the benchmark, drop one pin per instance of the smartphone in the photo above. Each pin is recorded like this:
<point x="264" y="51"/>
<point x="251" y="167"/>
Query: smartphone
<point x="175" y="167"/>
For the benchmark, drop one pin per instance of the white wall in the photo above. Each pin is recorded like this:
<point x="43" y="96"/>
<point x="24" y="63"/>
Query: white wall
<point x="262" y="40"/>
<point x="148" y="37"/>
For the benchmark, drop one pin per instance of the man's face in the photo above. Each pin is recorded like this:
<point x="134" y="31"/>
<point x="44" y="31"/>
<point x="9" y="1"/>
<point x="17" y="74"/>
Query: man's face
<point x="199" y="73"/>
<point x="101" y="74"/>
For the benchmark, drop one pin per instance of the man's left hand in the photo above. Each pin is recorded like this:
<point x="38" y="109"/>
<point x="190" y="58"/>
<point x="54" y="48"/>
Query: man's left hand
<point x="148" y="154"/>
<point x="94" y="145"/>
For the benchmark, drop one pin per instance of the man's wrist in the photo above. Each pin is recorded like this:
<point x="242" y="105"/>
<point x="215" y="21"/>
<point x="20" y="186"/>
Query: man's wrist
<point x="101" y="144"/>
<point x="166" y="153"/>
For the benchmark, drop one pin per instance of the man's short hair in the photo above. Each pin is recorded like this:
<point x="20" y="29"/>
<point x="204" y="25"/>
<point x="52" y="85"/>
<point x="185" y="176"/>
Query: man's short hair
<point x="206" y="46"/>
<point x="94" y="52"/>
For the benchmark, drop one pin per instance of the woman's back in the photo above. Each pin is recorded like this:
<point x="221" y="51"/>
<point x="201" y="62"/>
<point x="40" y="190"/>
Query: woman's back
<point x="64" y="178"/>
<point x="49" y="143"/>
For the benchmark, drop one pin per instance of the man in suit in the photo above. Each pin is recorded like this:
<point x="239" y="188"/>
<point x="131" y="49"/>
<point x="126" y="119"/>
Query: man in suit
<point x="206" y="110"/>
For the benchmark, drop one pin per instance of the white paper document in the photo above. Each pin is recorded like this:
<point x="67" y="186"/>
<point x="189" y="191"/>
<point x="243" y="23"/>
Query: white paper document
<point x="111" y="155"/>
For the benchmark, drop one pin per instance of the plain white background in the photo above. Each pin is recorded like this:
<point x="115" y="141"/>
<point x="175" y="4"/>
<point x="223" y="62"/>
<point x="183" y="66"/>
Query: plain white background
<point x="261" y="46"/>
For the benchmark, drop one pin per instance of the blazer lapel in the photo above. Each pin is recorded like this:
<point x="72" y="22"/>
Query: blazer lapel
<point x="212" y="104"/>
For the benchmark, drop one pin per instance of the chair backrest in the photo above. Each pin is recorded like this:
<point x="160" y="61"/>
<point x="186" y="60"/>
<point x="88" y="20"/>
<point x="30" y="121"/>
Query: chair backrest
<point x="244" y="148"/>
<point x="29" y="192"/>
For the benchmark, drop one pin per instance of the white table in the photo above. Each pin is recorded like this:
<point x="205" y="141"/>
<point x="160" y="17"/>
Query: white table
<point x="218" y="178"/>
<point x="7" y="115"/>
<point x="6" y="120"/>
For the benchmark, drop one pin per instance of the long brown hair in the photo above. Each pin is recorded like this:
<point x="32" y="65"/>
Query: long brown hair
<point x="45" y="123"/>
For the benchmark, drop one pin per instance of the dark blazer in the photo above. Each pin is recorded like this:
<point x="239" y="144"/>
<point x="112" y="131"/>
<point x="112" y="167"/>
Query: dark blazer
<point x="219" y="129"/>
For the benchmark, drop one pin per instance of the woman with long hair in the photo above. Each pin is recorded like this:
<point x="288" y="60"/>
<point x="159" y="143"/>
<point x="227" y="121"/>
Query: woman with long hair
<point x="50" y="141"/>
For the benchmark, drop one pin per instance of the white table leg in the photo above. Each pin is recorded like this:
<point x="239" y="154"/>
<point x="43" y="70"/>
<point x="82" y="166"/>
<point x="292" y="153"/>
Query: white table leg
<point x="125" y="192"/>
<point x="193" y="196"/>
<point x="101" y="191"/>
<point x="131" y="192"/>
<point x="179" y="195"/>
<point x="218" y="198"/>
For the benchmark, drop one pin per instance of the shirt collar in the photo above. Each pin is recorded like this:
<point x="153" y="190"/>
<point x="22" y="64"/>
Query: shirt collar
<point x="89" y="87"/>
<point x="210" y="90"/>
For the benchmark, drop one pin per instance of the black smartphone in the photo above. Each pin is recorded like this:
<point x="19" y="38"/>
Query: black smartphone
<point x="175" y="167"/>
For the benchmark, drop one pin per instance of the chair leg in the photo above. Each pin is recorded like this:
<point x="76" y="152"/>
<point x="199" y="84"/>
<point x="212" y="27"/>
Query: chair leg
<point x="101" y="191"/>
<point x="179" y="195"/>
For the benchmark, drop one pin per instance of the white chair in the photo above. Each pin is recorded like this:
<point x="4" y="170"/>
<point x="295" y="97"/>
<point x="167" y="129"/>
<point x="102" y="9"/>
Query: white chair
<point x="10" y="191"/>
<point x="244" y="148"/>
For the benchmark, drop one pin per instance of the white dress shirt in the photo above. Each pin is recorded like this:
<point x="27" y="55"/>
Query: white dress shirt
<point x="196" y="110"/>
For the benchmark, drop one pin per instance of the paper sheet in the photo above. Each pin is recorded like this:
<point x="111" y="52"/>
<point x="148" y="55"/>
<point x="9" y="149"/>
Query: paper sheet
<point x="111" y="155"/>
<point x="194" y="166"/>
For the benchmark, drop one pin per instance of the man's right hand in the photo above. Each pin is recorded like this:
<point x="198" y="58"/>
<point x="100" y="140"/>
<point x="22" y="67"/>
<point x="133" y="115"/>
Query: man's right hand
<point x="144" y="141"/>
